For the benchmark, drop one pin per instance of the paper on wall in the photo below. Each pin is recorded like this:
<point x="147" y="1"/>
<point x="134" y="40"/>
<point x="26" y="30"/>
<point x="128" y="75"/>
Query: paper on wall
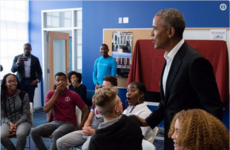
<point x="218" y="34"/>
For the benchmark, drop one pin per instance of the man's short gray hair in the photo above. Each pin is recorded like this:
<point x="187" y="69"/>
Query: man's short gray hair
<point x="173" y="18"/>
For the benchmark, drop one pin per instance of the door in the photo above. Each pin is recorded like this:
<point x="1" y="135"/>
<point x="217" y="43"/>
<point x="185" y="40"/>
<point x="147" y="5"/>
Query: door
<point x="58" y="55"/>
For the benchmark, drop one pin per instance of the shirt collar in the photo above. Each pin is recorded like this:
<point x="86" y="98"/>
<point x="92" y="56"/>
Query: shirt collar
<point x="172" y="53"/>
<point x="108" y="123"/>
<point x="65" y="93"/>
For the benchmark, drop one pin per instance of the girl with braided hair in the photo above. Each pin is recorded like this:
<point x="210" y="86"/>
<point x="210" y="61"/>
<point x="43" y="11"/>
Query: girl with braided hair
<point x="15" y="113"/>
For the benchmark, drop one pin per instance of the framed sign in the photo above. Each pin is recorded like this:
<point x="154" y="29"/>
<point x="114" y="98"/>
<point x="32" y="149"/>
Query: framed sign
<point x="122" y="51"/>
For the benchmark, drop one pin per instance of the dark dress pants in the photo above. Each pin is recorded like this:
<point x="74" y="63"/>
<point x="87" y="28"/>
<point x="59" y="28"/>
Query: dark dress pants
<point x="28" y="88"/>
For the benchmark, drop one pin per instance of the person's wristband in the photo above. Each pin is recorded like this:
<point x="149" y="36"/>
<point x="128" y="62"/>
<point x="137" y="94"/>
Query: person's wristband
<point x="37" y="80"/>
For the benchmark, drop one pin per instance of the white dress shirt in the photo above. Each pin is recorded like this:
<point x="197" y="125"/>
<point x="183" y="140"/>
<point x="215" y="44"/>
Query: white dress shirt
<point x="169" y="58"/>
<point x="27" y="65"/>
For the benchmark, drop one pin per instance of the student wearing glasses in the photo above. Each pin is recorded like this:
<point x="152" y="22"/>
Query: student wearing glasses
<point x="15" y="113"/>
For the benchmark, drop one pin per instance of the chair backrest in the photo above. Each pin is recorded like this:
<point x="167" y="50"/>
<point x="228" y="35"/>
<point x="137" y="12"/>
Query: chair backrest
<point x="146" y="145"/>
<point x="154" y="133"/>
<point x="31" y="113"/>
<point x="78" y="113"/>
<point x="89" y="97"/>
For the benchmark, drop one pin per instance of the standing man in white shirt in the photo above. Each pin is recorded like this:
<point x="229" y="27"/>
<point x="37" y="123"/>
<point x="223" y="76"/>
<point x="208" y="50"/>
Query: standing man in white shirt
<point x="28" y="70"/>
<point x="187" y="79"/>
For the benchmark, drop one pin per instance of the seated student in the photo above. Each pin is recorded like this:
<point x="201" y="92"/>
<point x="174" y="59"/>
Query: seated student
<point x="63" y="103"/>
<point x="15" y="113"/>
<point x="196" y="129"/>
<point x="108" y="81"/>
<point x="76" y="86"/>
<point x="94" y="119"/>
<point x="135" y="97"/>
<point x="117" y="132"/>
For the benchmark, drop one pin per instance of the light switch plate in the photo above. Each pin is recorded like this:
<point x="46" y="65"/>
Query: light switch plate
<point x="125" y="19"/>
<point x="120" y="20"/>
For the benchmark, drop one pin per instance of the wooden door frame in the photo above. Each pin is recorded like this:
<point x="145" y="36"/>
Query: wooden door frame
<point x="60" y="36"/>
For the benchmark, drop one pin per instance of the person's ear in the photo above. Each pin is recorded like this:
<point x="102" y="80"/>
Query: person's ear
<point x="142" y="94"/>
<point x="116" y="108"/>
<point x="171" y="32"/>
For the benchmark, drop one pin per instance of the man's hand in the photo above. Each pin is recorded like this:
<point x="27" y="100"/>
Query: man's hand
<point x="88" y="131"/>
<point x="20" y="59"/>
<point x="143" y="123"/>
<point x="34" y="82"/>
<point x="60" y="88"/>
<point x="78" y="128"/>
<point x="97" y="86"/>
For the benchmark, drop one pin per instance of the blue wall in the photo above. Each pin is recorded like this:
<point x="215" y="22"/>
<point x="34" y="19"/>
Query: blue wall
<point x="98" y="15"/>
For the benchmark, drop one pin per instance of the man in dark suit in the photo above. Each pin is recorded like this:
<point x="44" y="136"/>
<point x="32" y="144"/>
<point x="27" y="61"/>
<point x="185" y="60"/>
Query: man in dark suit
<point x="187" y="79"/>
<point x="28" y="70"/>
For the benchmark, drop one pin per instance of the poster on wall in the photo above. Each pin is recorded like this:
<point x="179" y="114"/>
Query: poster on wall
<point x="122" y="51"/>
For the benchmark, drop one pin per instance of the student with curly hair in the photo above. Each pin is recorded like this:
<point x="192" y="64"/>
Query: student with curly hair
<point x="196" y="129"/>
<point x="75" y="79"/>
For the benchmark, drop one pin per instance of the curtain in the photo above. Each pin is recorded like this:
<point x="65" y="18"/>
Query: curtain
<point x="13" y="31"/>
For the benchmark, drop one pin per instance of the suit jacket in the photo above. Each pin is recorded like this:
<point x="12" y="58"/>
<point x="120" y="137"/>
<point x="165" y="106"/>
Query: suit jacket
<point x="35" y="69"/>
<point x="190" y="84"/>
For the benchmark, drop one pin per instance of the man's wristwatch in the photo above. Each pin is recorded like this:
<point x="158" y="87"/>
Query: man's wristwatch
<point x="37" y="80"/>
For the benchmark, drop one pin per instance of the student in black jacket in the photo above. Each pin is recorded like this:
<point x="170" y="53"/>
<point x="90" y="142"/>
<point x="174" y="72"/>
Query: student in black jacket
<point x="118" y="132"/>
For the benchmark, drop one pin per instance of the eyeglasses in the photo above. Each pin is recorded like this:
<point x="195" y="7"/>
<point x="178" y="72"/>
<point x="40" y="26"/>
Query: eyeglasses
<point x="11" y="81"/>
